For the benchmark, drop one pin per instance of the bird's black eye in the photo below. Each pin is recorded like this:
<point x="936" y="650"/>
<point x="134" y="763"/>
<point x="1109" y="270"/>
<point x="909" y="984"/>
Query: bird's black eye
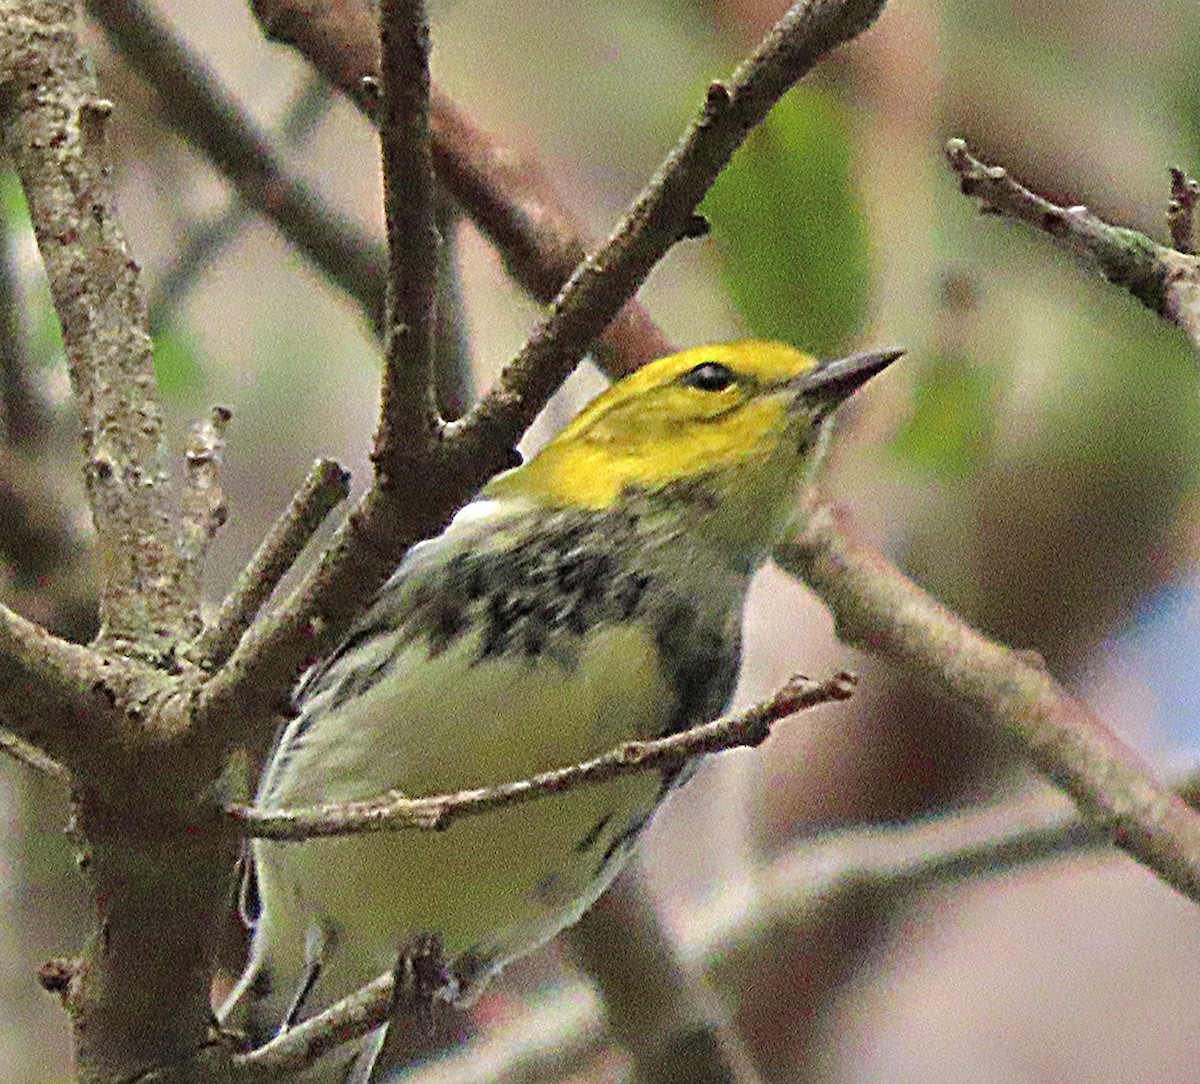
<point x="708" y="376"/>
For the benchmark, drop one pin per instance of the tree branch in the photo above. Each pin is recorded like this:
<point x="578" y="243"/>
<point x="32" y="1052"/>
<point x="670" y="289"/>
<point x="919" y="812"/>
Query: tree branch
<point x="326" y="486"/>
<point x="204" y="507"/>
<point x="196" y="106"/>
<point x="408" y="414"/>
<point x="53" y="132"/>
<point x="298" y="1047"/>
<point x="395" y="812"/>
<point x="32" y="757"/>
<point x="507" y="194"/>
<point x="1166" y="281"/>
<point x="52" y="693"/>
<point x="662" y="214"/>
<point x="877" y="608"/>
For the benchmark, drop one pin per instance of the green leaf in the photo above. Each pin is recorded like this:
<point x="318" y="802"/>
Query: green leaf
<point x="178" y="365"/>
<point x="949" y="433"/>
<point x="786" y="221"/>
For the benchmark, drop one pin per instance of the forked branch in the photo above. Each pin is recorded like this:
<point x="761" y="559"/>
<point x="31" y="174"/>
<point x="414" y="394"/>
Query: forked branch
<point x="1165" y="280"/>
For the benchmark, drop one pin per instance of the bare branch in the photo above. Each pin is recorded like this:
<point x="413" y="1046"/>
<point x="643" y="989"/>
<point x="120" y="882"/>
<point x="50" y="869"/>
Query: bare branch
<point x="663" y="214"/>
<point x="1181" y="210"/>
<point x="53" y="131"/>
<point x="194" y="103"/>
<point x="204" y="509"/>
<point x="326" y="486"/>
<point x="506" y="193"/>
<point x="660" y="1011"/>
<point x="394" y="812"/>
<point x="408" y="415"/>
<point x="880" y="610"/>
<point x="1167" y="282"/>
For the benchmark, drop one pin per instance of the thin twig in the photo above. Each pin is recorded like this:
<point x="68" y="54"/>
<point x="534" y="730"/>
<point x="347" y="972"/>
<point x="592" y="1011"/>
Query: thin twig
<point x="198" y="107"/>
<point x="1166" y="281"/>
<point x="204" y="509"/>
<point x="932" y="852"/>
<point x="298" y="1047"/>
<point x="408" y="413"/>
<point x="663" y="213"/>
<point x="1181" y="210"/>
<point x="394" y="812"/>
<point x="326" y="486"/>
<point x="877" y="608"/>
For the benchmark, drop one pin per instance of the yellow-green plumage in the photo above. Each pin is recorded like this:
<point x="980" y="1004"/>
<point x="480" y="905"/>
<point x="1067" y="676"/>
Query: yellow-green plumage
<point x="590" y="596"/>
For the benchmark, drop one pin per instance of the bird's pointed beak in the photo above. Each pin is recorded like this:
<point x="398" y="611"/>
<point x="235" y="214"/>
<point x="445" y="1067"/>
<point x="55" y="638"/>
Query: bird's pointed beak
<point x="832" y="382"/>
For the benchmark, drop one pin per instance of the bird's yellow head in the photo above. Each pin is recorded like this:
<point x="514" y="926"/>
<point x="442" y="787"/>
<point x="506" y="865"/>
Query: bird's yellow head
<point x="737" y="421"/>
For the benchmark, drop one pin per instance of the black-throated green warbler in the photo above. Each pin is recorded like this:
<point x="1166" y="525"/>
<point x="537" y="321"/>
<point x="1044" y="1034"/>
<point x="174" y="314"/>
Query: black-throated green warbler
<point x="590" y="596"/>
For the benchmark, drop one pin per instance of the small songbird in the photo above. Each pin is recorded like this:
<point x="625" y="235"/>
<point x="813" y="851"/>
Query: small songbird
<point x="590" y="596"/>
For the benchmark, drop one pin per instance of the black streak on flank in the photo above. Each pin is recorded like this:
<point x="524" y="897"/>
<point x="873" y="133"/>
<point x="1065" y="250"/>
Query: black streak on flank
<point x="573" y="574"/>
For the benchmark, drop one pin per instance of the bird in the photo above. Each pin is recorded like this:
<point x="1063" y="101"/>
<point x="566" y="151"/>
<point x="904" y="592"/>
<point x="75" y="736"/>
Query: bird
<point x="591" y="595"/>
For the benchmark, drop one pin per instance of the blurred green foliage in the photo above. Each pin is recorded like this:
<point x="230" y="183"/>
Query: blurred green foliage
<point x="786" y="222"/>
<point x="950" y="431"/>
<point x="179" y="363"/>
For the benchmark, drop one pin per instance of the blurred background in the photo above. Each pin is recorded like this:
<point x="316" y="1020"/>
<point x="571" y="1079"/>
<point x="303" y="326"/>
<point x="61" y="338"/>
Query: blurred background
<point x="1032" y="462"/>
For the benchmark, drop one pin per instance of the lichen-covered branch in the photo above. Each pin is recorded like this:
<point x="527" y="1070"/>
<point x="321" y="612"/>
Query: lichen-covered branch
<point x="53" y="123"/>
<point x="396" y="812"/>
<point x="1165" y="280"/>
<point x="880" y="610"/>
